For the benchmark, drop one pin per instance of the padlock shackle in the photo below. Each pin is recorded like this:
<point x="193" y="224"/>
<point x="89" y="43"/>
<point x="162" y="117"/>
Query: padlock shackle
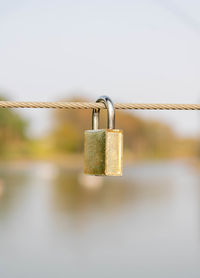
<point x="110" y="113"/>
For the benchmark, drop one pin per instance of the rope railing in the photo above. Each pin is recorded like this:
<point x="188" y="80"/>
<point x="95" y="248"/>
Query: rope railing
<point x="91" y="105"/>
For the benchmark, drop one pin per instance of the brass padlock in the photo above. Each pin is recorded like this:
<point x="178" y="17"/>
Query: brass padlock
<point x="103" y="147"/>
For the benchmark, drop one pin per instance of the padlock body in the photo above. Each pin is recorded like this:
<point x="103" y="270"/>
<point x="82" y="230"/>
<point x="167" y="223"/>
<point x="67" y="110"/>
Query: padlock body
<point x="103" y="150"/>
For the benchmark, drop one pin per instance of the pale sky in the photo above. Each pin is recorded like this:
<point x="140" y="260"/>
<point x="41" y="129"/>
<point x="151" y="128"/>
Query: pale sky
<point x="133" y="51"/>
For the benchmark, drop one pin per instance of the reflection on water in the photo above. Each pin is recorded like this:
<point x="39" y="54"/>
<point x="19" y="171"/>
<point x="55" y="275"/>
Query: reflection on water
<point x="56" y="222"/>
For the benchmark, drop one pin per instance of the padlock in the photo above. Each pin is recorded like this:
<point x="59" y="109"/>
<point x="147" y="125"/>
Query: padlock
<point x="103" y="148"/>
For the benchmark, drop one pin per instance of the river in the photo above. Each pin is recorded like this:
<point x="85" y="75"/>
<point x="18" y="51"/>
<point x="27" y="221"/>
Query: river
<point x="56" y="222"/>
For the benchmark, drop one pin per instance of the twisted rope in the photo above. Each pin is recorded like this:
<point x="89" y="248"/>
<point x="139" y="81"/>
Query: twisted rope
<point x="91" y="105"/>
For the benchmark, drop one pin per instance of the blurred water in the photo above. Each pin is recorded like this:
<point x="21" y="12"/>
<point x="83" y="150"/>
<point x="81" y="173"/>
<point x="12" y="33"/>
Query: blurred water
<point x="59" y="223"/>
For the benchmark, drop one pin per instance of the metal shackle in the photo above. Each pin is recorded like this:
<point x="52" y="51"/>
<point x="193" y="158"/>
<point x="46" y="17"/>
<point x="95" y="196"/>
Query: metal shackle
<point x="110" y="113"/>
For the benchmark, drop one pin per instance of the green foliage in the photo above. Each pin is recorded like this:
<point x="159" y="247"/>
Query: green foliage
<point x="142" y="138"/>
<point x="12" y="131"/>
<point x="67" y="138"/>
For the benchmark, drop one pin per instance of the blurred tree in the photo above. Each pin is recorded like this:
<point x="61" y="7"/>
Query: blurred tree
<point x="68" y="129"/>
<point x="142" y="138"/>
<point x="12" y="130"/>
